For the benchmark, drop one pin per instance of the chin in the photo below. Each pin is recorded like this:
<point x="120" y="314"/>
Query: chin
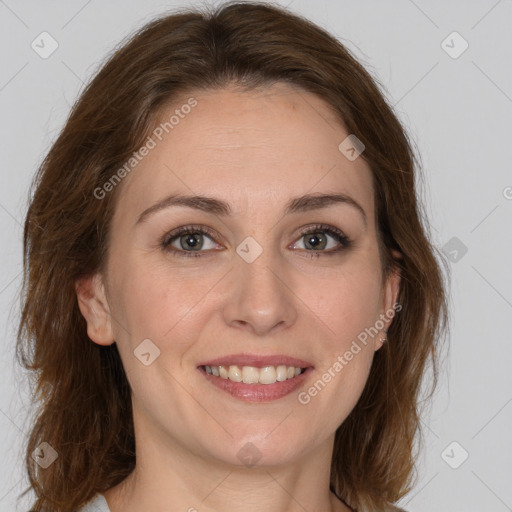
<point x="260" y="449"/>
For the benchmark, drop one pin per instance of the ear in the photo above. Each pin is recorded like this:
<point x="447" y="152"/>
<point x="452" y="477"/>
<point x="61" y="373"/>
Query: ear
<point x="93" y="304"/>
<point x="389" y="300"/>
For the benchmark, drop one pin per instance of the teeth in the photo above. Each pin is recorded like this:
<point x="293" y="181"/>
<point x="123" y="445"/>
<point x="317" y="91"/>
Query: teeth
<point x="253" y="375"/>
<point x="235" y="374"/>
<point x="267" y="375"/>
<point x="223" y="372"/>
<point x="282" y="372"/>
<point x="250" y="375"/>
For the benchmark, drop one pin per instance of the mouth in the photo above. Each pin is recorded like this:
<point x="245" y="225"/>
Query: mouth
<point x="253" y="375"/>
<point x="256" y="378"/>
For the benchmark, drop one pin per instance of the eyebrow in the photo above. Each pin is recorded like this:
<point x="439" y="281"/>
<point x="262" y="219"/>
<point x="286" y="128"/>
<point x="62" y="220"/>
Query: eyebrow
<point x="305" y="203"/>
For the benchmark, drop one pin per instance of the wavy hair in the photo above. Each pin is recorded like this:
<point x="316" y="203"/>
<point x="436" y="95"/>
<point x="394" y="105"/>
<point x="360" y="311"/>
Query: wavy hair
<point x="81" y="393"/>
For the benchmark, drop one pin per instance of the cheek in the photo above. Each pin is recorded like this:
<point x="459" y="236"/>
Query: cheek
<point x="348" y="311"/>
<point x="347" y="303"/>
<point x="348" y="307"/>
<point x="153" y="303"/>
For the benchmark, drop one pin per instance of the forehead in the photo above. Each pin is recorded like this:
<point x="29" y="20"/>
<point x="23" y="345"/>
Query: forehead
<point x="259" y="147"/>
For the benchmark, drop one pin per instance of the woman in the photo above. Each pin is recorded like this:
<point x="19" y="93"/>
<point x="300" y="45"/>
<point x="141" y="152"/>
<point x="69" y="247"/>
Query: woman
<point x="230" y="295"/>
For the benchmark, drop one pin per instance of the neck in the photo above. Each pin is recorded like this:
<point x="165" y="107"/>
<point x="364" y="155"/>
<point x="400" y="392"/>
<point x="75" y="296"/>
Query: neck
<point x="170" y="477"/>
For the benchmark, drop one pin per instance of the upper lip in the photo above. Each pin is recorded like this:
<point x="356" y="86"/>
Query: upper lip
<point x="258" y="361"/>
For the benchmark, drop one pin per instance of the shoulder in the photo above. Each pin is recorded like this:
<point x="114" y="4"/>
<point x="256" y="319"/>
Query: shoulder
<point x="97" y="504"/>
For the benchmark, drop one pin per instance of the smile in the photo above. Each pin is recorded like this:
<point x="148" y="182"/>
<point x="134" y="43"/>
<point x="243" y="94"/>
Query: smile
<point x="253" y="375"/>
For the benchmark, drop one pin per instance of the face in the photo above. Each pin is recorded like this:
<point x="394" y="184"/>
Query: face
<point x="256" y="278"/>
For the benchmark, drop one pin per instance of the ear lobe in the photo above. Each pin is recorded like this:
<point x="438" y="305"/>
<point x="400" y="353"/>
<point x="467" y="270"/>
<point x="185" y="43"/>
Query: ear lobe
<point x="93" y="304"/>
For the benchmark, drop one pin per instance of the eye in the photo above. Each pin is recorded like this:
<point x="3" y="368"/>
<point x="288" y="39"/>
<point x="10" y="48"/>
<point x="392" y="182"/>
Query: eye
<point x="179" y="241"/>
<point x="315" y="238"/>
<point x="188" y="241"/>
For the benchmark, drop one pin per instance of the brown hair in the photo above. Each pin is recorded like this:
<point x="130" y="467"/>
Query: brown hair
<point x="81" y="388"/>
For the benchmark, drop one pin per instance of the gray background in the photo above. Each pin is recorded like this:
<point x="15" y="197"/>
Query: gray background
<point x="458" y="110"/>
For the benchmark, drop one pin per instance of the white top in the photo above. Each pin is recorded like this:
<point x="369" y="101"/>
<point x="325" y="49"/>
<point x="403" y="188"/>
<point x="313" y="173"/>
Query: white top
<point x="97" y="504"/>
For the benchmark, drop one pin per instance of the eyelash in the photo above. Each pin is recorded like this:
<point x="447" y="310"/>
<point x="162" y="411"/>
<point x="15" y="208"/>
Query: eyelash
<point x="168" y="238"/>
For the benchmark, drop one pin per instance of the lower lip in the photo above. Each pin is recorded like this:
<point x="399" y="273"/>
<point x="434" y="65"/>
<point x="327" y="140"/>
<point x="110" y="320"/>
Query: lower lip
<point x="257" y="392"/>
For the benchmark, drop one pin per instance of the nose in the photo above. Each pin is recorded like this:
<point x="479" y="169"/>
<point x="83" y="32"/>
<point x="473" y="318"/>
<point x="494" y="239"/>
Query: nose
<point x="261" y="298"/>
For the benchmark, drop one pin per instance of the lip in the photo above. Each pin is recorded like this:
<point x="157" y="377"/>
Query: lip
<point x="257" y="361"/>
<point x="257" y="392"/>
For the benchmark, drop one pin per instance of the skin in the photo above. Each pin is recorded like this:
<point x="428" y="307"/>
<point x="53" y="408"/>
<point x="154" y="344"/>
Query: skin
<point x="254" y="150"/>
